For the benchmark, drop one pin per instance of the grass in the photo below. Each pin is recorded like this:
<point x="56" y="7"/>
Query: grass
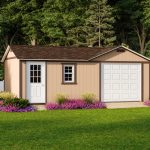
<point x="116" y="129"/>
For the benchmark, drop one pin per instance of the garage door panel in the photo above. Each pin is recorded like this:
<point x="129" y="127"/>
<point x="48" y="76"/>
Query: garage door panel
<point x="115" y="76"/>
<point x="122" y="82"/>
<point x="115" y="67"/>
<point x="115" y="71"/>
<point x="124" y="67"/>
<point x="115" y="96"/>
<point x="124" y="86"/>
<point x="125" y="76"/>
<point x="107" y="77"/>
<point x="116" y="87"/>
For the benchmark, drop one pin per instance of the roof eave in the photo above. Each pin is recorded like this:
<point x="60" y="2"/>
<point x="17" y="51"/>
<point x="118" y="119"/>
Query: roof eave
<point x="117" y="48"/>
<point x="5" y="54"/>
<point x="55" y="60"/>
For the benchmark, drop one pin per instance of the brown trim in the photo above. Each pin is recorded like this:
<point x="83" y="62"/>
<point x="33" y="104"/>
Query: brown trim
<point x="94" y="61"/>
<point x="143" y="62"/>
<point x="20" y="78"/>
<point x="100" y="83"/>
<point x="37" y="103"/>
<point x="142" y="82"/>
<point x="75" y="73"/>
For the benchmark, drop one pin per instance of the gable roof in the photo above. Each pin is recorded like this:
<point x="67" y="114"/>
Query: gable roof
<point x="25" y="52"/>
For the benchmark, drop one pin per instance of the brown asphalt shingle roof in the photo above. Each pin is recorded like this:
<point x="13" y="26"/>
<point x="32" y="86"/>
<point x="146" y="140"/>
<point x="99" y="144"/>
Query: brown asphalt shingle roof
<point x="47" y="52"/>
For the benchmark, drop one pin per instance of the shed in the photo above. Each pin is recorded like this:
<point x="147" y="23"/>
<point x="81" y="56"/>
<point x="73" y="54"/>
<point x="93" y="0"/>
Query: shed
<point x="39" y="73"/>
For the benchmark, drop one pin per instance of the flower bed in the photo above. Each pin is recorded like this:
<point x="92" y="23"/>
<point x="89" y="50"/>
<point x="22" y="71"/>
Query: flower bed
<point x="147" y="103"/>
<point x="15" y="105"/>
<point x="15" y="109"/>
<point x="75" y="104"/>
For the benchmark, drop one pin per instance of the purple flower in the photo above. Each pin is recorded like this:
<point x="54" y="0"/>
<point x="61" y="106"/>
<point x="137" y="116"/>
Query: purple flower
<point x="27" y="109"/>
<point x="147" y="103"/>
<point x="52" y="106"/>
<point x="75" y="104"/>
<point x="96" y="105"/>
<point x="8" y="108"/>
<point x="15" y="109"/>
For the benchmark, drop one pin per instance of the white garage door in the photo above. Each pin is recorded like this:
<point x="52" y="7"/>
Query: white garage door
<point x="120" y="82"/>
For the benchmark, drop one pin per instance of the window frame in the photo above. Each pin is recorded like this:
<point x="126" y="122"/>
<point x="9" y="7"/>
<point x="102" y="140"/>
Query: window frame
<point x="35" y="78"/>
<point x="73" y="73"/>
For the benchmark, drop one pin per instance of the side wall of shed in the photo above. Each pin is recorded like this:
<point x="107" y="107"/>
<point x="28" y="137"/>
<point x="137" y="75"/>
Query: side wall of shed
<point x="11" y="74"/>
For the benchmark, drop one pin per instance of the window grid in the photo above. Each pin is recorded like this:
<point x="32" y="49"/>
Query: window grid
<point x="35" y="73"/>
<point x="68" y="73"/>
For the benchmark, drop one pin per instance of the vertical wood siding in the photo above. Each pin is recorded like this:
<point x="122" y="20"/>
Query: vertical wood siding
<point x="146" y="76"/>
<point x="87" y="81"/>
<point x="11" y="74"/>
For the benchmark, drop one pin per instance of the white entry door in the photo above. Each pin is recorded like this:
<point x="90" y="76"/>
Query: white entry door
<point x="120" y="82"/>
<point x="36" y="82"/>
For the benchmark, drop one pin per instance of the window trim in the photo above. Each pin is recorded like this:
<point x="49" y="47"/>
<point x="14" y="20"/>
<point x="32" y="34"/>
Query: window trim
<point x="74" y="81"/>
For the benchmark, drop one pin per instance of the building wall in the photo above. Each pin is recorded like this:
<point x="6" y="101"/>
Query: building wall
<point x="87" y="81"/>
<point x="88" y="76"/>
<point x="120" y="56"/>
<point x="146" y="82"/>
<point x="11" y="74"/>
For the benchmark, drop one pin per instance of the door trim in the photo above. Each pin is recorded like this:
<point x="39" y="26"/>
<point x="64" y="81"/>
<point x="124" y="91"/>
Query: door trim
<point x="27" y="80"/>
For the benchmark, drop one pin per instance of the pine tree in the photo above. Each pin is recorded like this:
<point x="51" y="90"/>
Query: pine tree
<point x="99" y="24"/>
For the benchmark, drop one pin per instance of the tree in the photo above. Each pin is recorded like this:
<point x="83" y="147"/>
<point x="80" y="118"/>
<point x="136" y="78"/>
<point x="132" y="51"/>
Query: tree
<point x="23" y="19"/>
<point x="62" y="21"/>
<point x="131" y="21"/>
<point x="99" y="24"/>
<point x="146" y="5"/>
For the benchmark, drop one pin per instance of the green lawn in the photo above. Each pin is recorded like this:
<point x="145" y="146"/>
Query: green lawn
<point x="76" y="129"/>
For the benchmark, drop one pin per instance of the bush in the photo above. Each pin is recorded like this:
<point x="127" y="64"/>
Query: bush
<point x="96" y="105"/>
<point x="75" y="104"/>
<point x="6" y="95"/>
<point x="147" y="103"/>
<point x="52" y="106"/>
<point x="61" y="98"/>
<point x="15" y="109"/>
<point x="16" y="102"/>
<point x="89" y="97"/>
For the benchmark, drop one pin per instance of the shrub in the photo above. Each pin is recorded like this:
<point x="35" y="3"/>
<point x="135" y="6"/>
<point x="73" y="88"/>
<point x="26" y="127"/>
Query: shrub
<point x="6" y="95"/>
<point x="8" y="108"/>
<point x="61" y="98"/>
<point x="15" y="109"/>
<point x="147" y="103"/>
<point x="1" y="102"/>
<point x="89" y="97"/>
<point x="74" y="104"/>
<point x="96" y="105"/>
<point x="52" y="106"/>
<point x="17" y="102"/>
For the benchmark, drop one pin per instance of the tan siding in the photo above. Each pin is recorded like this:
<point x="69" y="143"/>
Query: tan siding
<point x="87" y="81"/>
<point x="146" y="82"/>
<point x="23" y="66"/>
<point x="12" y="74"/>
<point x="120" y="56"/>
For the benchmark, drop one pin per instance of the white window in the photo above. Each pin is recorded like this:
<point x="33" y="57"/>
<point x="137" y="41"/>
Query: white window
<point x="69" y="74"/>
<point x="35" y="73"/>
